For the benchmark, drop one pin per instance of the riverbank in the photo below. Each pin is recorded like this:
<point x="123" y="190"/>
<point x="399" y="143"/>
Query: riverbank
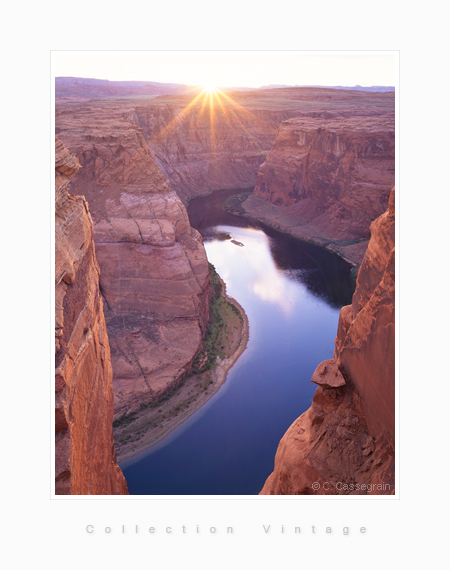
<point x="225" y="341"/>
<point x="283" y="220"/>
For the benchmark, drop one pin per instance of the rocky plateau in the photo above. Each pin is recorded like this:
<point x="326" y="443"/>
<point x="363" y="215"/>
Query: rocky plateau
<point x="206" y="143"/>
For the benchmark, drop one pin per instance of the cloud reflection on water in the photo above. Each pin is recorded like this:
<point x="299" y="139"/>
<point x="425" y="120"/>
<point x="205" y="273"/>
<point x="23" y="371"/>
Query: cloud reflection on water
<point x="255" y="266"/>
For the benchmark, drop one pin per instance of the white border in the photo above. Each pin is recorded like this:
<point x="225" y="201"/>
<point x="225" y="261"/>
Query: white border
<point x="405" y="533"/>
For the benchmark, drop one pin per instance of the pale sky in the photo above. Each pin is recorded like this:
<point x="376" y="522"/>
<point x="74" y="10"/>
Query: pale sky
<point x="232" y="69"/>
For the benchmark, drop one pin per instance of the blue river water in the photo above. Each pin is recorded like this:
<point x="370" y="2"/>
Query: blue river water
<point x="292" y="292"/>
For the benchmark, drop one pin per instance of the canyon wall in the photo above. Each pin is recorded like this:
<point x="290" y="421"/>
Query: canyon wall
<point x="154" y="272"/>
<point x="344" y="443"/>
<point x="85" y="459"/>
<point x="217" y="142"/>
<point x="327" y="178"/>
<point x="205" y="142"/>
<point x="204" y="147"/>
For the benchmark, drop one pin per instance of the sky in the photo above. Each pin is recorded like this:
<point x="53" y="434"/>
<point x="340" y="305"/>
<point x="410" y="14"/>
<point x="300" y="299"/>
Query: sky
<point x="230" y="69"/>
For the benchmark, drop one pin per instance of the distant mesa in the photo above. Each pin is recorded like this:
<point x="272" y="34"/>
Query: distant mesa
<point x="372" y="89"/>
<point x="83" y="87"/>
<point x="88" y="87"/>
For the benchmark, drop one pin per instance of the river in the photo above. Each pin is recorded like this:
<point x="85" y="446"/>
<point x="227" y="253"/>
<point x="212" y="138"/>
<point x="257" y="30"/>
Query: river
<point x="292" y="292"/>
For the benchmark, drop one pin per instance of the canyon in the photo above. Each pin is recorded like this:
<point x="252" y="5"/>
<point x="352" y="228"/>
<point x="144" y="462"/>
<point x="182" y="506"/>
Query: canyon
<point x="204" y="142"/>
<point x="315" y="163"/>
<point x="85" y="458"/>
<point x="344" y="443"/>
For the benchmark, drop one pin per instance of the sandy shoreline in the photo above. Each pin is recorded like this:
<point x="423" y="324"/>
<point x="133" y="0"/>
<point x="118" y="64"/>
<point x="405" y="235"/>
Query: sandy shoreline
<point x="203" y="386"/>
<point x="279" y="219"/>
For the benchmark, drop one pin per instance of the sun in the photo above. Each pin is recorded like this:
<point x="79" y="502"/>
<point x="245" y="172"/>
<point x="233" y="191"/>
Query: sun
<point x="210" y="89"/>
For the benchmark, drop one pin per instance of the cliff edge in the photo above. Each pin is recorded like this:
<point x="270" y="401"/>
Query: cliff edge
<point x="326" y="178"/>
<point x="85" y="458"/>
<point x="344" y="443"/>
<point x="154" y="271"/>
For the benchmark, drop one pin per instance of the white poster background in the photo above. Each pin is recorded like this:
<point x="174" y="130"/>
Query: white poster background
<point x="39" y="530"/>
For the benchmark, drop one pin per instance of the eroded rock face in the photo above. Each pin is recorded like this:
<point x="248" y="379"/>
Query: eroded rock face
<point x="154" y="271"/>
<point x="344" y="443"/>
<point x="206" y="147"/>
<point x="366" y="336"/>
<point x="204" y="143"/>
<point x="327" y="178"/>
<point x="85" y="459"/>
<point x="215" y="143"/>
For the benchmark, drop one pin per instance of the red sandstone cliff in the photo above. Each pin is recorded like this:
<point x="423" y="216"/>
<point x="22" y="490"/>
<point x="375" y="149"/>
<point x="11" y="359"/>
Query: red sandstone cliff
<point x="220" y="142"/>
<point x="327" y="177"/>
<point x="154" y="271"/>
<point x="346" y="438"/>
<point x="209" y="146"/>
<point x="85" y="459"/>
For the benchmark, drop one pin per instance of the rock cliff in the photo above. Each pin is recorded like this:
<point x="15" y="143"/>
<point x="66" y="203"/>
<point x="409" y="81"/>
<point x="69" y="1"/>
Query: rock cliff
<point x="154" y="271"/>
<point x="85" y="459"/>
<point x="344" y="443"/>
<point x="209" y="145"/>
<point x="326" y="178"/>
<point x="218" y="142"/>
